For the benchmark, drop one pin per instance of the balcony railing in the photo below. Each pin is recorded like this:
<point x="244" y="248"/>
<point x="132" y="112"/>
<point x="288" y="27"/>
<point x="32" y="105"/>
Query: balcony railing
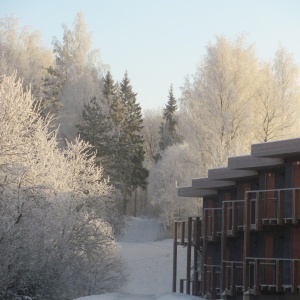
<point x="213" y="223"/>
<point x="272" y="275"/>
<point x="273" y="207"/>
<point x="233" y="277"/>
<point x="233" y="216"/>
<point x="212" y="280"/>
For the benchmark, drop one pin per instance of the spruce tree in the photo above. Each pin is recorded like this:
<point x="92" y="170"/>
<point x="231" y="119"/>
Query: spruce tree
<point x="95" y="128"/>
<point x="117" y="136"/>
<point x="168" y="128"/>
<point x="131" y="143"/>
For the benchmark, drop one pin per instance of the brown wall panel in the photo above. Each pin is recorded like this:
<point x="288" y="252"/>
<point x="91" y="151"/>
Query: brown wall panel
<point x="269" y="200"/>
<point x="269" y="269"/>
<point x="296" y="183"/>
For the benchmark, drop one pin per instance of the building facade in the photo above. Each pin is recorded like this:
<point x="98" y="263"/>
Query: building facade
<point x="247" y="242"/>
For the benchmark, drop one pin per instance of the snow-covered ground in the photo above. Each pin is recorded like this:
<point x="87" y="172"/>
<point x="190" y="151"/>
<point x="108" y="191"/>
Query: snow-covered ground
<point x="149" y="263"/>
<point x="121" y="296"/>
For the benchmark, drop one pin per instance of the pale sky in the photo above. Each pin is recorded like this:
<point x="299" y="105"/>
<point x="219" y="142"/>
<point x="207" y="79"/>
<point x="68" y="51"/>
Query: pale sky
<point x="160" y="42"/>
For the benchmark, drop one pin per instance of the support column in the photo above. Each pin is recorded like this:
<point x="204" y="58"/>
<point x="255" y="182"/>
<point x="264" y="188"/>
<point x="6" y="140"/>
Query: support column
<point x="175" y="258"/>
<point x="188" y="260"/>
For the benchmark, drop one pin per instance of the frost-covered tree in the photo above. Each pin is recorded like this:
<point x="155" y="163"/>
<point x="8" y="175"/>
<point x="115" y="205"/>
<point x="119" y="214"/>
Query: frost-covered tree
<point x="217" y="102"/>
<point x="235" y="100"/>
<point x="170" y="171"/>
<point x="21" y="50"/>
<point x="75" y="78"/>
<point x="278" y="99"/>
<point x="56" y="234"/>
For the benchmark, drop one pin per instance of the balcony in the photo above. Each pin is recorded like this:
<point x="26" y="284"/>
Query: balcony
<point x="233" y="217"/>
<point x="213" y="223"/>
<point x="272" y="275"/>
<point x="273" y="207"/>
<point x="233" y="277"/>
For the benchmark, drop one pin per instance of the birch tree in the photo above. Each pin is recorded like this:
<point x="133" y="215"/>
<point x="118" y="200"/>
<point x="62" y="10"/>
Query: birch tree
<point x="75" y="78"/>
<point x="217" y="103"/>
<point x="277" y="101"/>
<point x="21" y="50"/>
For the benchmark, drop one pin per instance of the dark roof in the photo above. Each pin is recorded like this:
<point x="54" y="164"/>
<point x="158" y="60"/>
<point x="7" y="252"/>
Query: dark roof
<point x="284" y="148"/>
<point x="207" y="183"/>
<point x="263" y="156"/>
<point x="230" y="174"/>
<point x="188" y="191"/>
<point x="249" y="162"/>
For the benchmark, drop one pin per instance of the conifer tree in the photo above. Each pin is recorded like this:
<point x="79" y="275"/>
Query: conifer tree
<point x="168" y="128"/>
<point x="95" y="128"/>
<point x="131" y="143"/>
<point x="117" y="137"/>
<point x="109" y="90"/>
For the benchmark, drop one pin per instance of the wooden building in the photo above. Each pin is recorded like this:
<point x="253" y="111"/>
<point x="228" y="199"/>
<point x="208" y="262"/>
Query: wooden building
<point x="247" y="243"/>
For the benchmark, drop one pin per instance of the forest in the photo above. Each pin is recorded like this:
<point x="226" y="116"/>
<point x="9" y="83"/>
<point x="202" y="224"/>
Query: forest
<point x="78" y="152"/>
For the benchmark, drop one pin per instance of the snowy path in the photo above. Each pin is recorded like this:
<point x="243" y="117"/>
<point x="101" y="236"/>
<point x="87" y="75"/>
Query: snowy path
<point x="149" y="264"/>
<point x="149" y="261"/>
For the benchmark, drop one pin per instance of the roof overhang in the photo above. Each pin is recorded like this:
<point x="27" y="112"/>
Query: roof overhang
<point x="188" y="191"/>
<point x="229" y="174"/>
<point x="285" y="148"/>
<point x="207" y="183"/>
<point x="248" y="162"/>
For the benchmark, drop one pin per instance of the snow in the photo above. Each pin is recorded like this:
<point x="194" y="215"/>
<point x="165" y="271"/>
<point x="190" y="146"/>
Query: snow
<point x="149" y="264"/>
<point x="119" y="296"/>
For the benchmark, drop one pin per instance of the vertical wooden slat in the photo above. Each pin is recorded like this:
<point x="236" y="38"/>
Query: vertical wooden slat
<point x="293" y="276"/>
<point x="296" y="184"/>
<point x="188" y="260"/>
<point x="213" y="283"/>
<point x="268" y="251"/>
<point x="214" y="224"/>
<point x="258" y="209"/>
<point x="182" y="233"/>
<point x="256" y="276"/>
<point x="196" y="247"/>
<point x="269" y="209"/>
<point x="223" y="245"/>
<point x="174" y="258"/>
<point x="246" y="242"/>
<point x="234" y="218"/>
<point x="181" y="285"/>
<point x="279" y="271"/>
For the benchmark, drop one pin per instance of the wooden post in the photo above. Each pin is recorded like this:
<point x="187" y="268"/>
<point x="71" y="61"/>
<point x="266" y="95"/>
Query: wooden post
<point x="279" y="271"/>
<point x="213" y="283"/>
<point x="196" y="247"/>
<point x="174" y="259"/>
<point x="234" y="218"/>
<point x="188" y="260"/>
<point x="256" y="276"/>
<point x="223" y="245"/>
<point x="135" y="204"/>
<point x="246" y="222"/>
<point x="181" y="286"/>
<point x="182" y="233"/>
